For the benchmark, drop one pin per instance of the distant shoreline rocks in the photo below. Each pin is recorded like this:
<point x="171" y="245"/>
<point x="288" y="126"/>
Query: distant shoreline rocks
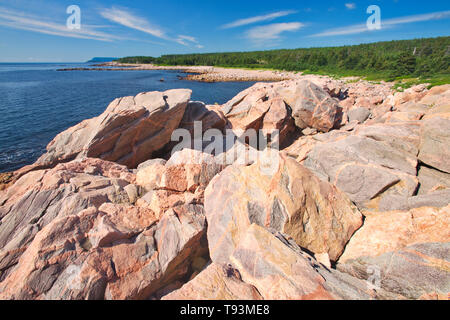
<point x="199" y="73"/>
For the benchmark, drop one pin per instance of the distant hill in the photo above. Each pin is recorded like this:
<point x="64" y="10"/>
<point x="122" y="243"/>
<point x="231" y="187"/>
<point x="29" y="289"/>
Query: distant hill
<point x="101" y="59"/>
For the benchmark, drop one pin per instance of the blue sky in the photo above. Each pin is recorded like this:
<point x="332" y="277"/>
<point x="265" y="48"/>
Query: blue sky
<point x="36" y="31"/>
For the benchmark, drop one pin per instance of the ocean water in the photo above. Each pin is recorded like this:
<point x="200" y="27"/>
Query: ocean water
<point x="37" y="102"/>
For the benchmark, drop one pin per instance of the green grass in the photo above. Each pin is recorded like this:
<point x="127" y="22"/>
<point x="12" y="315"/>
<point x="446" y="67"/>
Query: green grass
<point x="438" y="80"/>
<point x="402" y="84"/>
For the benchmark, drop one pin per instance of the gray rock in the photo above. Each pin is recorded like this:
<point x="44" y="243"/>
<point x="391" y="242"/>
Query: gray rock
<point x="362" y="182"/>
<point x="437" y="199"/>
<point x="435" y="140"/>
<point x="350" y="126"/>
<point x="432" y="180"/>
<point x="370" y="163"/>
<point x="413" y="107"/>
<point x="360" y="114"/>
<point x="132" y="191"/>
<point x="411" y="272"/>
<point x="364" y="168"/>
<point x="404" y="137"/>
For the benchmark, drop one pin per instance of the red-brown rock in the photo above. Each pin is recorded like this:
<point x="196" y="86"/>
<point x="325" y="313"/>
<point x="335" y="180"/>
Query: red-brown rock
<point x="129" y="132"/>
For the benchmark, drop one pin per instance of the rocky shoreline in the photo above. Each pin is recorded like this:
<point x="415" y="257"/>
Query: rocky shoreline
<point x="357" y="205"/>
<point x="200" y="73"/>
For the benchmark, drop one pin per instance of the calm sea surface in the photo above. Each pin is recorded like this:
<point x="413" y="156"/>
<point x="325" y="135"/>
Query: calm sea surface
<point x="37" y="102"/>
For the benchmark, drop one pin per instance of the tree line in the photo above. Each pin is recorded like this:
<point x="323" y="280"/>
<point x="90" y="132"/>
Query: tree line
<point x="389" y="60"/>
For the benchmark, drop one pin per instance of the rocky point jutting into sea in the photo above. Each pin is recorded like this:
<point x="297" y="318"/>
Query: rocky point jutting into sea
<point x="357" y="207"/>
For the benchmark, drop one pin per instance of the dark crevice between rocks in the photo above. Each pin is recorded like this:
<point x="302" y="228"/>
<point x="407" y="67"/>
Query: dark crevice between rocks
<point x="231" y="272"/>
<point x="199" y="260"/>
<point x="167" y="106"/>
<point x="423" y="164"/>
<point x="335" y="263"/>
<point x="369" y="136"/>
<point x="163" y="153"/>
<point x="416" y="191"/>
<point x="338" y="119"/>
<point x="4" y="272"/>
<point x="5" y="180"/>
<point x="85" y="244"/>
<point x="291" y="138"/>
<point x="306" y="253"/>
<point x="383" y="190"/>
<point x="169" y="190"/>
<point x="113" y="267"/>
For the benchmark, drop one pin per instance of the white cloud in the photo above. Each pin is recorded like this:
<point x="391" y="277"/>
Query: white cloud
<point x="247" y="21"/>
<point x="184" y="40"/>
<point x="385" y="24"/>
<point x="22" y="21"/>
<point x="272" y="31"/>
<point x="188" y="40"/>
<point x="350" y="6"/>
<point x="127" y="19"/>
<point x="418" y="18"/>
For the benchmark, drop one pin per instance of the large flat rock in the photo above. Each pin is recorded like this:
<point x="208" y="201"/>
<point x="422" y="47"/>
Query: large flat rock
<point x="432" y="180"/>
<point x="435" y="138"/>
<point x="365" y="168"/>
<point x="129" y="132"/>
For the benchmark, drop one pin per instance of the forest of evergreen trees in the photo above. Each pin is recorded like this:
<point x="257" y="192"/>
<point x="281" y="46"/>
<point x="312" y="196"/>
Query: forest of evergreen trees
<point x="382" y="60"/>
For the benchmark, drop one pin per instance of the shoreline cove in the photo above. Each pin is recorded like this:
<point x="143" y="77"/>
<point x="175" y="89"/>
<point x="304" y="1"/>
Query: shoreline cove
<point x="204" y="73"/>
